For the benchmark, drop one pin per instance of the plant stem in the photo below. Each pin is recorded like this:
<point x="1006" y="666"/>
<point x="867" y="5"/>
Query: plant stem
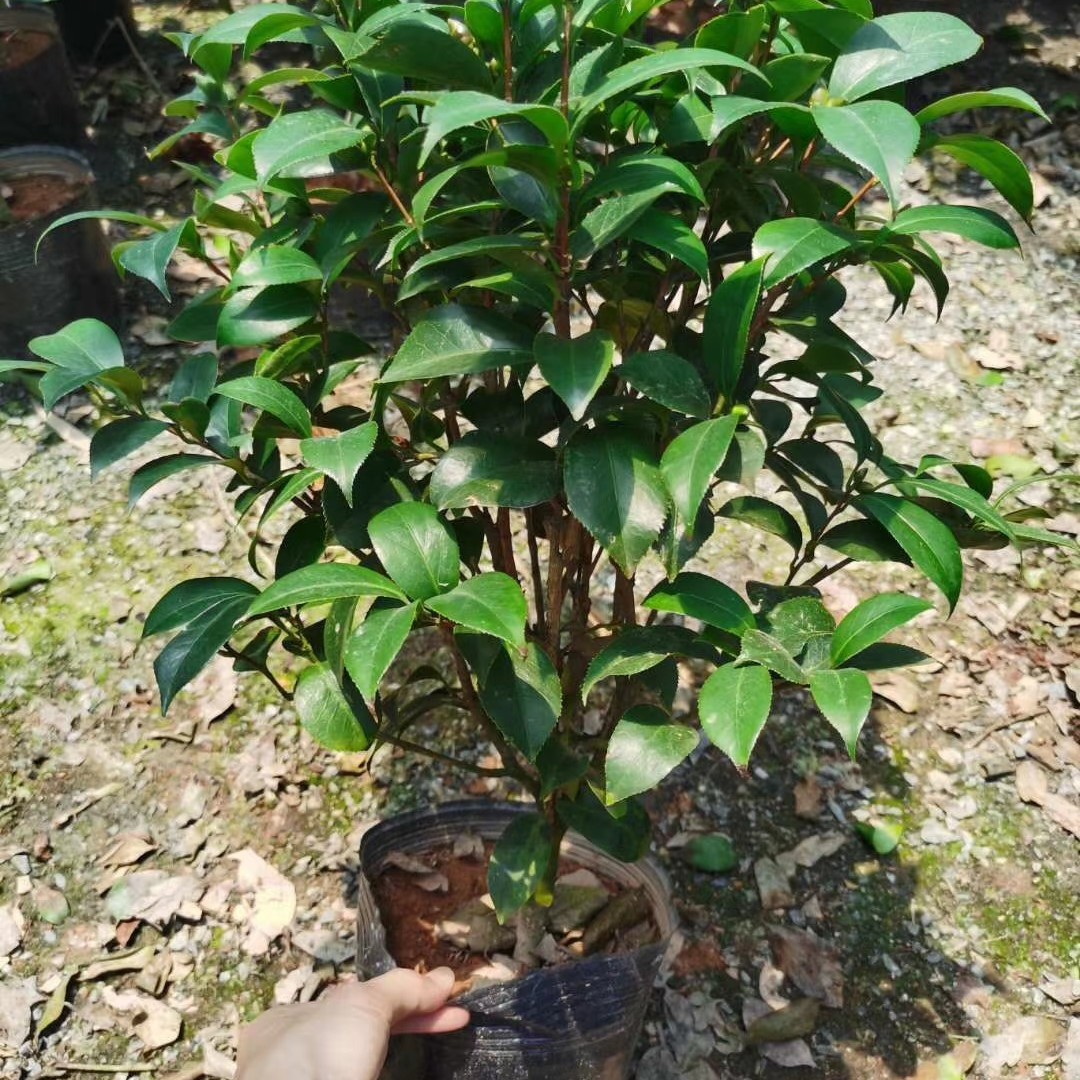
<point x="561" y="314"/>
<point x="857" y="197"/>
<point x="508" y="53"/>
<point x="394" y="197"/>
<point x="259" y="666"/>
<point x="536" y="574"/>
<point x="438" y="755"/>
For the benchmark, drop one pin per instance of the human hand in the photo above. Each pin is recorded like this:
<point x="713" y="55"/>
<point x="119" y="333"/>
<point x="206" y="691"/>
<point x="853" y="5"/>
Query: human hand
<point x="344" y="1035"/>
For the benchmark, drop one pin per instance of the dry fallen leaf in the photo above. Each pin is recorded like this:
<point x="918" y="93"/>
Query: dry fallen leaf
<point x="899" y="690"/>
<point x="1030" y="1040"/>
<point x="810" y="851"/>
<point x="809" y="798"/>
<point x="1032" y="786"/>
<point x="151" y="1020"/>
<point x="773" y="885"/>
<point x="272" y="903"/>
<point x="287" y="988"/>
<point x="17" y="999"/>
<point x="812" y="964"/>
<point x="12" y="928"/>
<point x="154" y="896"/>
<point x="134" y="960"/>
<point x="128" y="849"/>
<point x="790" y="1052"/>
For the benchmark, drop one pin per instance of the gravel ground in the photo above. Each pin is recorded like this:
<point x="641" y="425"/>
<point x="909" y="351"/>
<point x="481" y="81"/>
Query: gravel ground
<point x="206" y="857"/>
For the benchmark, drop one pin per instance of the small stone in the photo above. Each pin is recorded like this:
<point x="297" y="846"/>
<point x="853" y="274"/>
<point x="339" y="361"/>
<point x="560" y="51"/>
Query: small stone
<point x="773" y="885"/>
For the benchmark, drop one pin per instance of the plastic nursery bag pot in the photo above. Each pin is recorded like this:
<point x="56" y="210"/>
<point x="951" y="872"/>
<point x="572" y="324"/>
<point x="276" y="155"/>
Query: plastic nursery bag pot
<point x="574" y="1021"/>
<point x="38" y="103"/>
<point x="72" y="275"/>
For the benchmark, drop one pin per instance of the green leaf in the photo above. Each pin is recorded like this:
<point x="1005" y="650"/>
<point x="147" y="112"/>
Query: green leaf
<point x="624" y="837"/>
<point x="523" y="696"/>
<point x="644" y="747"/>
<point x="482" y="469"/>
<point x="692" y="459"/>
<point x="705" y="598"/>
<point x="795" y="244"/>
<point x="420" y="279"/>
<point x="736" y="32"/>
<point x="1003" y="96"/>
<point x="963" y="497"/>
<point x="884" y="840"/>
<point x="373" y="645"/>
<point x="195" y="646"/>
<point x="194" y="599"/>
<point x="816" y="459"/>
<point x="84" y="345"/>
<point x="150" y="258"/>
<point x="256" y="316"/>
<point x="871" y="620"/>
<point x="765" y="515"/>
<point x="419" y="51"/>
<point x="253" y="23"/>
<point x="711" y="853"/>
<point x="844" y="698"/>
<point x="490" y="603"/>
<point x="880" y="136"/>
<point x="464" y="108"/>
<point x="325" y="713"/>
<point x="645" y="69"/>
<point x="728" y="318"/>
<point x="153" y="472"/>
<point x="558" y="767"/>
<point x="198" y="321"/>
<point x="275" y="264"/>
<point x="321" y="584"/>
<point x="575" y="368"/>
<point x="417" y="549"/>
<point x="518" y="863"/>
<point x="734" y="706"/>
<point x="929" y="543"/>
<point x="616" y="491"/>
<point x="299" y="144"/>
<point x="639" y="648"/>
<point x="120" y="438"/>
<point x="885" y="655"/>
<point x="613" y="218"/>
<point x="802" y="625"/>
<point x="997" y="163"/>
<point x="459" y="340"/>
<point x="671" y="235"/>
<point x="898" y="48"/>
<point x="271" y="397"/>
<point x="340" y="456"/>
<point x="195" y="378"/>
<point x="864" y="541"/>
<point x="971" y="222"/>
<point x="667" y="379"/>
<point x="769" y="651"/>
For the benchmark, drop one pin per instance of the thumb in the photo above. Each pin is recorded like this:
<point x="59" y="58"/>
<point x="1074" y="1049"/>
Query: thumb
<point x="405" y="993"/>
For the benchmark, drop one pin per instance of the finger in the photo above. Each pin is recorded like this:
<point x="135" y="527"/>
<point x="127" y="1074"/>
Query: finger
<point x="403" y="993"/>
<point x="448" y="1018"/>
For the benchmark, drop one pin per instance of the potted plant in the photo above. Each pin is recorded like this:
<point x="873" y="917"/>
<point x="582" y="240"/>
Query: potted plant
<point x="591" y="248"/>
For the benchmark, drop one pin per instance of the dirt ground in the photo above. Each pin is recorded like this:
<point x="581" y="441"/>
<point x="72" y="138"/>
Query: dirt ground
<point x="162" y="879"/>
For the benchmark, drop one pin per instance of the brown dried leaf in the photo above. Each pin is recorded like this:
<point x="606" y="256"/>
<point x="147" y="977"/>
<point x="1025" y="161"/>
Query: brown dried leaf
<point x="117" y="965"/>
<point x="809" y="798"/>
<point x="17" y="999"/>
<point x="128" y="849"/>
<point x="812" y="964"/>
<point x="12" y="928"/>
<point x="1032" y="786"/>
<point x="151" y="1020"/>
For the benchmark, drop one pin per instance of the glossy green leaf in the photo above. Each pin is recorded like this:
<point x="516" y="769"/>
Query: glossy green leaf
<point x="195" y="378"/>
<point x="644" y="747"/>
<point x="879" y="136"/>
<point x="321" y="584"/>
<point x="624" y="837"/>
<point x="340" y="456"/>
<point x="459" y="340"/>
<point x="691" y="460"/>
<point x="669" y="380"/>
<point x="672" y="236"/>
<point x="795" y="244"/>
<point x="1003" y="97"/>
<point x="844" y="698"/>
<point x="373" y="645"/>
<point x="275" y="264"/>
<point x="464" y="108"/>
<point x="421" y="277"/>
<point x="884" y="839"/>
<point x="887" y="654"/>
<point x="82" y="345"/>
<point x="929" y="543"/>
<point x="154" y="472"/>
<point x="519" y="863"/>
<point x="898" y="48"/>
<point x="991" y="159"/>
<point x="769" y="651"/>
<point x="256" y="316"/>
<point x="119" y="438"/>
<point x="416" y="50"/>
<point x="558" y="767"/>
<point x="194" y="599"/>
<point x="705" y="598"/>
<point x="711" y="853"/>
<point x="639" y="648"/>
<point x="971" y="222"/>
<point x="575" y="368"/>
<point x="963" y="497"/>
<point x="870" y="621"/>
<point x="482" y="469"/>
<point x="804" y="627"/>
<point x="863" y="541"/>
<point x="490" y="603"/>
<point x="728" y="317"/>
<point x="198" y="321"/>
<point x="764" y="515"/>
<point x="150" y="258"/>
<point x="271" y="397"/>
<point x="417" y="549"/>
<point x="195" y="646"/>
<point x="523" y="696"/>
<point x="615" y="490"/>
<point x="734" y="705"/>
<point x="299" y="144"/>
<point x="325" y="713"/>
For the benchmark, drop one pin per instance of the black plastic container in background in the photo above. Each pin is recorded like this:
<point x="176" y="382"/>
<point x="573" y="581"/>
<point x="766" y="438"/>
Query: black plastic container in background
<point x="73" y="276"/>
<point x="596" y="1005"/>
<point x="91" y="29"/>
<point x="38" y="103"/>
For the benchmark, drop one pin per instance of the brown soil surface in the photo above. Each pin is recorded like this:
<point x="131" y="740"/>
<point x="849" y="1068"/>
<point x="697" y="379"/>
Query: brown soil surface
<point x="39" y="195"/>
<point x="19" y="47"/>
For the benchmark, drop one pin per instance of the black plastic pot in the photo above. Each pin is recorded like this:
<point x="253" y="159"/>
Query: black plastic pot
<point x="38" y="103"/>
<point x="91" y="28"/>
<point x="73" y="276"/>
<point x="596" y="1005"/>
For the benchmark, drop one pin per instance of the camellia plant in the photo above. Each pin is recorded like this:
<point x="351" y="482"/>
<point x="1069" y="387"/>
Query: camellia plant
<point x="589" y="247"/>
